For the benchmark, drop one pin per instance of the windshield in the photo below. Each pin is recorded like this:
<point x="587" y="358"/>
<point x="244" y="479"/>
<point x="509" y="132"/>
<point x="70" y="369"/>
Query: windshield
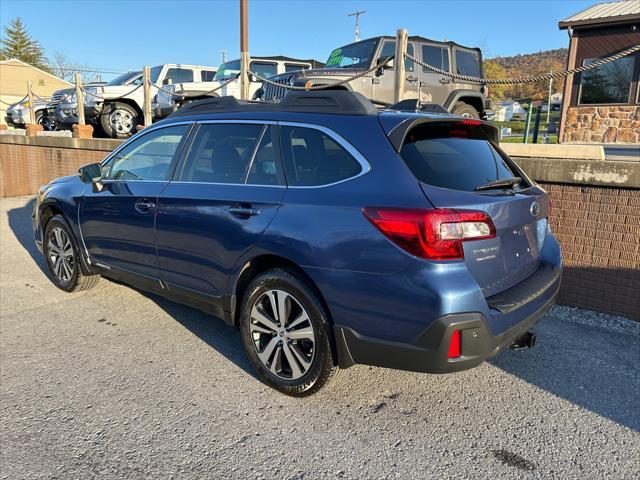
<point x="155" y="73"/>
<point x="124" y="78"/>
<point x="354" y="55"/>
<point x="228" y="69"/>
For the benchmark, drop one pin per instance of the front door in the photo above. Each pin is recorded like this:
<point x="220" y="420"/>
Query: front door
<point x="435" y="87"/>
<point x="117" y="223"/>
<point x="222" y="200"/>
<point x="384" y="85"/>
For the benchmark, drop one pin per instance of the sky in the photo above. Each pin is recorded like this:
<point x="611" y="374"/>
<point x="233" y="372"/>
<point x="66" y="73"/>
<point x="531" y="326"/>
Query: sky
<point x="125" y="35"/>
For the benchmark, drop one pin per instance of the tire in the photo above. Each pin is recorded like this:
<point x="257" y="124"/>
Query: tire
<point x="296" y="361"/>
<point x="465" y="110"/>
<point x="119" y="120"/>
<point x="66" y="274"/>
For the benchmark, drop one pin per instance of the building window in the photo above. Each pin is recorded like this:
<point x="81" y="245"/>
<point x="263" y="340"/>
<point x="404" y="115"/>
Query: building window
<point x="608" y="83"/>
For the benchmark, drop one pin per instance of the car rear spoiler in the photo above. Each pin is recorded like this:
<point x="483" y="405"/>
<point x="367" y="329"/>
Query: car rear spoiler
<point x="479" y="128"/>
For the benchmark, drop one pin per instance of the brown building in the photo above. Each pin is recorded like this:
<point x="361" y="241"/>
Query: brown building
<point x="603" y="105"/>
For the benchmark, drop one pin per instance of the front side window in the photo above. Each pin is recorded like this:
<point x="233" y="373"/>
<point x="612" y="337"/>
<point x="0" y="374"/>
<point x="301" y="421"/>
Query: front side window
<point x="233" y="153"/>
<point x="468" y="63"/>
<point x="435" y="56"/>
<point x="148" y="157"/>
<point x="609" y="83"/>
<point x="389" y="50"/>
<point x="313" y="158"/>
<point x="264" y="69"/>
<point x="179" y="75"/>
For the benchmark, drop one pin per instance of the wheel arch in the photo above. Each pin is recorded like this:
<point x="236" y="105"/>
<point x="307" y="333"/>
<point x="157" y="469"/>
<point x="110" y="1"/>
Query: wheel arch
<point x="262" y="263"/>
<point x="129" y="101"/>
<point x="470" y="97"/>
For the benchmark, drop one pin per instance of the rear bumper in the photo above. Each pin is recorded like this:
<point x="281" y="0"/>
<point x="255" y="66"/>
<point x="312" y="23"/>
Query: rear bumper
<point x="428" y="353"/>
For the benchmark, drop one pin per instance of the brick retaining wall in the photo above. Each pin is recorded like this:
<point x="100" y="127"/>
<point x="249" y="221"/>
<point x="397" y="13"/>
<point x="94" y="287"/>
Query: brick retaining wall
<point x="599" y="231"/>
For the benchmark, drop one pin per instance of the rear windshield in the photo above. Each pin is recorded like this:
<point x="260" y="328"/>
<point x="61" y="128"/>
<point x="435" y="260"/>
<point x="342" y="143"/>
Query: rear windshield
<point x="454" y="157"/>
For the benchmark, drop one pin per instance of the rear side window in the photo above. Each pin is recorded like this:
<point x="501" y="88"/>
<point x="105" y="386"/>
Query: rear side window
<point x="232" y="153"/>
<point x="435" y="56"/>
<point x="467" y="63"/>
<point x="313" y="158"/>
<point x="450" y="157"/>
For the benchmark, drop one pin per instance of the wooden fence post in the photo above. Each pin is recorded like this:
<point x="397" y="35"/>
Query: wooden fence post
<point x="79" y="100"/>
<point x="398" y="64"/>
<point x="148" y="119"/>
<point x="31" y="128"/>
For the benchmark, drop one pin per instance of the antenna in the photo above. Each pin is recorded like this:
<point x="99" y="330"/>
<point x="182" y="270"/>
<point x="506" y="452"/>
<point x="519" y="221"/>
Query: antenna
<point x="357" y="15"/>
<point x="223" y="55"/>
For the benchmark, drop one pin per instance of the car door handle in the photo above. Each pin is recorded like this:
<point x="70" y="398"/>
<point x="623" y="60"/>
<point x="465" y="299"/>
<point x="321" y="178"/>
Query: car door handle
<point x="244" y="212"/>
<point x="144" y="206"/>
<point x="412" y="79"/>
<point x="444" y="81"/>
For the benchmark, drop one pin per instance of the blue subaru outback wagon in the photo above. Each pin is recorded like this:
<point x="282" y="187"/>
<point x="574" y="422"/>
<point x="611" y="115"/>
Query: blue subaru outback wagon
<point x="330" y="232"/>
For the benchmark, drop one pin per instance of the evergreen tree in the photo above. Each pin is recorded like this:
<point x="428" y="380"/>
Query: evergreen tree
<point x="17" y="43"/>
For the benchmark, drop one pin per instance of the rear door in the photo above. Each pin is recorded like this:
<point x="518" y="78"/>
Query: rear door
<point x="220" y="202"/>
<point x="434" y="87"/>
<point x="451" y="159"/>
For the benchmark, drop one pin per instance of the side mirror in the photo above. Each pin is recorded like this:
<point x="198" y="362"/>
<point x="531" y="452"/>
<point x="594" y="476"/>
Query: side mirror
<point x="91" y="173"/>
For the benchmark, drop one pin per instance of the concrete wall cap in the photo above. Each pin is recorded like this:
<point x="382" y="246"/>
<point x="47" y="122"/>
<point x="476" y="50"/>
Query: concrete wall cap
<point x="541" y="150"/>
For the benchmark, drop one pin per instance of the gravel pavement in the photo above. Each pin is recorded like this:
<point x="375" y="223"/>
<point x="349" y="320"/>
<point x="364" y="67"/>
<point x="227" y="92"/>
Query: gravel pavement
<point x="116" y="383"/>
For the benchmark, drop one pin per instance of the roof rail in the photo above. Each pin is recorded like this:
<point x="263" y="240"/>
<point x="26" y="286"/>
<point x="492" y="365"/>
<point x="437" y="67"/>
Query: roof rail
<point x="341" y="102"/>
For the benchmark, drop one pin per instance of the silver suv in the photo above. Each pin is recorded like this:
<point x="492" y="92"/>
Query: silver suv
<point x="460" y="98"/>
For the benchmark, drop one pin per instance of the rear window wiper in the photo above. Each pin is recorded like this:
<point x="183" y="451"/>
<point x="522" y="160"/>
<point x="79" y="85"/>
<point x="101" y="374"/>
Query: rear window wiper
<point x="501" y="182"/>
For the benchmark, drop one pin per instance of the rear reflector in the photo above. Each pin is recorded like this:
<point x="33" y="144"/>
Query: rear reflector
<point x="455" y="345"/>
<point x="433" y="234"/>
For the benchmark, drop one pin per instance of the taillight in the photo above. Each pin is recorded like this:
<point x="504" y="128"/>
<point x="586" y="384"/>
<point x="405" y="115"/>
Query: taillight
<point x="455" y="347"/>
<point x="433" y="234"/>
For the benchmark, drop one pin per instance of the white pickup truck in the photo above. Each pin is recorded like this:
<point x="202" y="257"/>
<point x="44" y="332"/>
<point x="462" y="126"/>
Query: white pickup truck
<point x="187" y="91"/>
<point x="121" y="111"/>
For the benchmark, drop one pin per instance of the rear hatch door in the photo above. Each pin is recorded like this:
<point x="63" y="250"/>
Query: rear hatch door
<point x="453" y="160"/>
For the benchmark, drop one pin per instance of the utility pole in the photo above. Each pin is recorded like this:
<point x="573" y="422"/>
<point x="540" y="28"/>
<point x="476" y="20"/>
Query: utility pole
<point x="244" y="50"/>
<point x="357" y="15"/>
<point x="32" y="111"/>
<point x="223" y="56"/>
<point x="549" y="99"/>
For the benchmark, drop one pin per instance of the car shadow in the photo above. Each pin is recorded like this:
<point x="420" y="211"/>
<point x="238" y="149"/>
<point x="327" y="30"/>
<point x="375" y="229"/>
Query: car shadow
<point x="584" y="357"/>
<point x="20" y="224"/>
<point x="581" y="356"/>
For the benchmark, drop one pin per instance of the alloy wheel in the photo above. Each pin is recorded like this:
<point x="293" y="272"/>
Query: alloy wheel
<point x="61" y="255"/>
<point x="282" y="334"/>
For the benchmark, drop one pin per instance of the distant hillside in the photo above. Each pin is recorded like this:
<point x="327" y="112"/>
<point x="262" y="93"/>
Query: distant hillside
<point x="526" y="65"/>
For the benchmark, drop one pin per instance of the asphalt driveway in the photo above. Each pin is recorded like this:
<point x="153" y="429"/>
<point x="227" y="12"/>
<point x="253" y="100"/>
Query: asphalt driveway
<point x="116" y="383"/>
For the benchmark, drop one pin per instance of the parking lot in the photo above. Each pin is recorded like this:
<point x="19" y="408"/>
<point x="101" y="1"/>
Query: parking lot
<point x="117" y="383"/>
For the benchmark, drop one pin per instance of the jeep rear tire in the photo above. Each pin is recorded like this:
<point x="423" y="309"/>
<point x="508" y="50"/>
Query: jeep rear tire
<point x="119" y="120"/>
<point x="465" y="110"/>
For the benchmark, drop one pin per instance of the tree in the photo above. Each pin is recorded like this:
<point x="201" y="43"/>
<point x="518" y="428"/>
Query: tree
<point x="63" y="68"/>
<point x="493" y="70"/>
<point x="17" y="43"/>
